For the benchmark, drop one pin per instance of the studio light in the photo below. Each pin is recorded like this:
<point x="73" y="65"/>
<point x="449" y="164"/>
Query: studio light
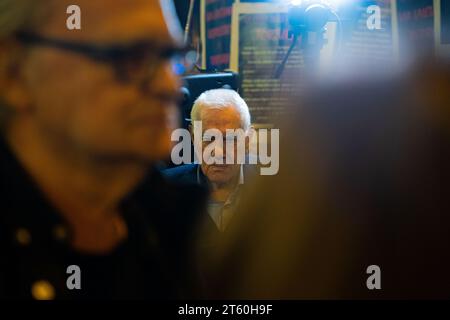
<point x="296" y="2"/>
<point x="309" y="15"/>
<point x="307" y="21"/>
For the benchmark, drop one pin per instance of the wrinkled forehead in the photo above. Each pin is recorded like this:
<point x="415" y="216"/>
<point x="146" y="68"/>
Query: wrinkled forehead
<point x="114" y="21"/>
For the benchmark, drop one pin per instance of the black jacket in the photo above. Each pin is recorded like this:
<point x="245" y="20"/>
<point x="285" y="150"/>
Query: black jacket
<point x="154" y="262"/>
<point x="190" y="175"/>
<point x="186" y="174"/>
<point x="209" y="241"/>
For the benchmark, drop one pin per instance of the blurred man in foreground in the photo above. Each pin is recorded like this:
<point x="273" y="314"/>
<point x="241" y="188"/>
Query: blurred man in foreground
<point x="364" y="183"/>
<point x="85" y="114"/>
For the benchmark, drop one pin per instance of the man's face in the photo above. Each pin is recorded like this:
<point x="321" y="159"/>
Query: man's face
<point x="82" y="102"/>
<point x="221" y="119"/>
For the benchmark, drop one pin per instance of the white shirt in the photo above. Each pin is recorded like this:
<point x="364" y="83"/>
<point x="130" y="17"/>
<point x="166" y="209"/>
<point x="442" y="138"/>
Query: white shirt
<point x="221" y="212"/>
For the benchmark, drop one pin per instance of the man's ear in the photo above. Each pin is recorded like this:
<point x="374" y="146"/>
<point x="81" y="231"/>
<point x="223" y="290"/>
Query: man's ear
<point x="12" y="81"/>
<point x="248" y="138"/>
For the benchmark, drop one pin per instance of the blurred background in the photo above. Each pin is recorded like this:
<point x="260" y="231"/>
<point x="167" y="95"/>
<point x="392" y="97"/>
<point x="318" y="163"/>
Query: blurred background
<point x="335" y="39"/>
<point x="362" y="91"/>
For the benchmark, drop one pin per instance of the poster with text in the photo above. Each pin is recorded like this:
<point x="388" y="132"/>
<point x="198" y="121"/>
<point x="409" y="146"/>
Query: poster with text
<point x="216" y="33"/>
<point x="260" y="41"/>
<point x="415" y="27"/>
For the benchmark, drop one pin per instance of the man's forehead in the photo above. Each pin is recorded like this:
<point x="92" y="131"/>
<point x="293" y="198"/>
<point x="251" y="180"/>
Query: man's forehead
<point x="114" y="21"/>
<point x="221" y="123"/>
<point x="220" y="115"/>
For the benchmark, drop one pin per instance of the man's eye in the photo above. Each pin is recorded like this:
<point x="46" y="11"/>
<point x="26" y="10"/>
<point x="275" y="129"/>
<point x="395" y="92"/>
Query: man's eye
<point x="209" y="138"/>
<point x="231" y="139"/>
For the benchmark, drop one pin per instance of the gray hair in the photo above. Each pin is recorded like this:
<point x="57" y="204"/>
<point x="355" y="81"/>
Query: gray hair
<point x="219" y="99"/>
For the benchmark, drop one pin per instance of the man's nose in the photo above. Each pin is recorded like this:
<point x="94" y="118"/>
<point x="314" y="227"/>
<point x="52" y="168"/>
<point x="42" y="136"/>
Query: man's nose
<point x="219" y="152"/>
<point x="164" y="82"/>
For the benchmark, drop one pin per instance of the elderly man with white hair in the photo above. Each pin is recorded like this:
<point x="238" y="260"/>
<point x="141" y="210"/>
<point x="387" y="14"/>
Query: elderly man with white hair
<point x="222" y="110"/>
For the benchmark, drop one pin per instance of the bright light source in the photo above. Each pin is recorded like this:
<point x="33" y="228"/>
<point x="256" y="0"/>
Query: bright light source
<point x="336" y="2"/>
<point x="296" y="2"/>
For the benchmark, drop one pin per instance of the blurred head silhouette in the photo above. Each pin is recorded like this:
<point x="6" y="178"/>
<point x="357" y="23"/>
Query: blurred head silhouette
<point x="363" y="180"/>
<point x="104" y="91"/>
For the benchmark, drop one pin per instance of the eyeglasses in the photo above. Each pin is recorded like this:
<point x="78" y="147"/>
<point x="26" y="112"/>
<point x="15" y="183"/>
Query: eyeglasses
<point x="231" y="140"/>
<point x="135" y="63"/>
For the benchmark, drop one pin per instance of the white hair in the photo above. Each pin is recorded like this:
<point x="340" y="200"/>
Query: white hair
<point x="219" y="99"/>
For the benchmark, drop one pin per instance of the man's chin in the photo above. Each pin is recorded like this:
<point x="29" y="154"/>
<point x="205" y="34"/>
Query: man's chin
<point x="151" y="151"/>
<point x="144" y="154"/>
<point x="219" y="178"/>
<point x="154" y="154"/>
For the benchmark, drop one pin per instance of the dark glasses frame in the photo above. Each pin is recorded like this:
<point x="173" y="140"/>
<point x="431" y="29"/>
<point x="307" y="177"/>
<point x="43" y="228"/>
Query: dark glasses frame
<point x="137" y="61"/>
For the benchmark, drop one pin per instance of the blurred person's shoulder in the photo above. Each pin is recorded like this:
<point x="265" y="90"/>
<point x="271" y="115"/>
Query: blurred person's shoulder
<point x="182" y="175"/>
<point x="171" y="202"/>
